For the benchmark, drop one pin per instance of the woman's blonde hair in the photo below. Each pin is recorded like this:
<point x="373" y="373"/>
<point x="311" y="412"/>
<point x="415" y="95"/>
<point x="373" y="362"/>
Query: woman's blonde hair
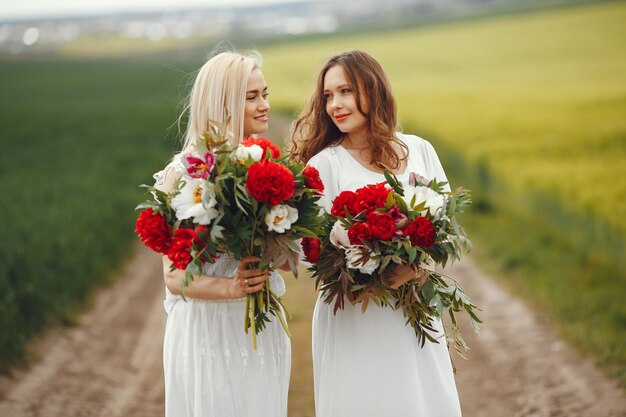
<point x="220" y="89"/>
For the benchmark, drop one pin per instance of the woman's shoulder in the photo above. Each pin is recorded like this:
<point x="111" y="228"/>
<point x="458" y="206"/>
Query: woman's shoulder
<point x="164" y="179"/>
<point x="415" y="141"/>
<point x="326" y="155"/>
<point x="419" y="146"/>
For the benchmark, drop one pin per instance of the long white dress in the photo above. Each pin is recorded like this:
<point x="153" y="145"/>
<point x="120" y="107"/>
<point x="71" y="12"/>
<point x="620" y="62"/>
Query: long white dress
<point x="210" y="366"/>
<point x="371" y="365"/>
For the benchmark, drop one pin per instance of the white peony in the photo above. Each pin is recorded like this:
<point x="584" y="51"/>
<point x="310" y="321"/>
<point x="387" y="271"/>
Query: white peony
<point x="353" y="260"/>
<point x="280" y="218"/>
<point x="196" y="200"/>
<point x="243" y="152"/>
<point x="339" y="236"/>
<point x="434" y="200"/>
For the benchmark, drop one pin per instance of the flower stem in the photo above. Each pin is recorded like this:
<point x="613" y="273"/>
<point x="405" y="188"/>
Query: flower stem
<point x="246" y="320"/>
<point x="279" y="314"/>
<point x="253" y="322"/>
<point x="280" y="301"/>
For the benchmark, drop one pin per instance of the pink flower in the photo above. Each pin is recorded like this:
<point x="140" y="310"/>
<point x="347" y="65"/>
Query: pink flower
<point x="416" y="179"/>
<point x="400" y="220"/>
<point x="199" y="167"/>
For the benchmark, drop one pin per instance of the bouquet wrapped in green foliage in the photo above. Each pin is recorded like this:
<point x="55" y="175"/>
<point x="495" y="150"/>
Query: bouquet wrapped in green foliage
<point x="377" y="227"/>
<point x="244" y="200"/>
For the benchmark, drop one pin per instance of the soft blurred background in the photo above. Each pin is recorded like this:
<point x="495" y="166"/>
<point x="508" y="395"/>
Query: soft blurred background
<point x="524" y="100"/>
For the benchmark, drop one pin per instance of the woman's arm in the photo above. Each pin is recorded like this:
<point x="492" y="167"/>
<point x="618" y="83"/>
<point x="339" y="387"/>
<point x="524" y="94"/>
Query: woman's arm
<point x="204" y="287"/>
<point x="328" y="174"/>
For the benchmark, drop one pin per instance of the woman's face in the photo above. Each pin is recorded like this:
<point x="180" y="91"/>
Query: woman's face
<point x="341" y="104"/>
<point x="257" y="105"/>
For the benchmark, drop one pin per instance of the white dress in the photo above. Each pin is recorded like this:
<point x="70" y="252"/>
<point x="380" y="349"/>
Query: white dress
<point x="371" y="365"/>
<point x="210" y="367"/>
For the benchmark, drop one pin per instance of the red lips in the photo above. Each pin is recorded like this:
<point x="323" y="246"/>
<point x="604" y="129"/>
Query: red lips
<point x="341" y="117"/>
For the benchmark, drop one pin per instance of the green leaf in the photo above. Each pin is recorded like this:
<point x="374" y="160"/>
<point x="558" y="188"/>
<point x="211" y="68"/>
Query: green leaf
<point x="194" y="269"/>
<point x="412" y="253"/>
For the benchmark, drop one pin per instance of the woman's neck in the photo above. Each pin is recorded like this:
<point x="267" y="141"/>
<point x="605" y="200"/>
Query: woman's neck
<point x="357" y="141"/>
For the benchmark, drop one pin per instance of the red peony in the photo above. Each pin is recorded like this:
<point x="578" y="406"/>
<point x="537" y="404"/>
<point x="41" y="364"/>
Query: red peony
<point x="200" y="229"/>
<point x="311" y="249"/>
<point x="359" y="232"/>
<point x="371" y="197"/>
<point x="154" y="231"/>
<point x="180" y="248"/>
<point x="382" y="225"/>
<point x="422" y="232"/>
<point x="203" y="234"/>
<point x="312" y="179"/>
<point x="265" y="144"/>
<point x="270" y="182"/>
<point x="345" y="199"/>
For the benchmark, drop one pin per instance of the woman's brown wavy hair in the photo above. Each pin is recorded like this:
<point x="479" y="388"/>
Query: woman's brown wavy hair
<point x="314" y="130"/>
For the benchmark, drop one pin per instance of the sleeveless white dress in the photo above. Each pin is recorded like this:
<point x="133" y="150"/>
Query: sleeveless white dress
<point x="210" y="367"/>
<point x="371" y="365"/>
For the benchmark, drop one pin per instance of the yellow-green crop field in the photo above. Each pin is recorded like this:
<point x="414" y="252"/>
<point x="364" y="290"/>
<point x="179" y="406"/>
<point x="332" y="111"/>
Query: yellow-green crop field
<point x="540" y="99"/>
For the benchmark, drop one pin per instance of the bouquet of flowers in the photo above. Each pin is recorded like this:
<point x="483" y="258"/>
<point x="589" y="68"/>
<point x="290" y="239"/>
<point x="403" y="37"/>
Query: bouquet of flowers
<point x="377" y="227"/>
<point x="246" y="200"/>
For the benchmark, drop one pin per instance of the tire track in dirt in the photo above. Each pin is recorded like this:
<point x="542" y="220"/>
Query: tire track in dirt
<point x="107" y="364"/>
<point x="519" y="367"/>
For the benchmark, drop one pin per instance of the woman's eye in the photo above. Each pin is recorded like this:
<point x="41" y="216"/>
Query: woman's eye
<point x="345" y="90"/>
<point x="250" y="98"/>
<point x="327" y="96"/>
<point x="265" y="95"/>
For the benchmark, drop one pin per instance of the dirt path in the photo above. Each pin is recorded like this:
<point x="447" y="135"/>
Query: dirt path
<point x="110" y="364"/>
<point x="518" y="367"/>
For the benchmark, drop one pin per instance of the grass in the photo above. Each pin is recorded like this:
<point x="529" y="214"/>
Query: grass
<point x="77" y="138"/>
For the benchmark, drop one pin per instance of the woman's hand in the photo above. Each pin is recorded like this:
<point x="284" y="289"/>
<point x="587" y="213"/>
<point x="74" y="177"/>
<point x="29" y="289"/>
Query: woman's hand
<point x="247" y="281"/>
<point x="402" y="274"/>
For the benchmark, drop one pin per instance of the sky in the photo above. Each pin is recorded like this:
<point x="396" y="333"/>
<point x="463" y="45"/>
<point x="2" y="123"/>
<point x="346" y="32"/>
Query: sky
<point x="26" y="9"/>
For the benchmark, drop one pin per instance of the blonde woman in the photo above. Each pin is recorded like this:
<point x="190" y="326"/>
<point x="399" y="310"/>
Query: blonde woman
<point x="210" y="366"/>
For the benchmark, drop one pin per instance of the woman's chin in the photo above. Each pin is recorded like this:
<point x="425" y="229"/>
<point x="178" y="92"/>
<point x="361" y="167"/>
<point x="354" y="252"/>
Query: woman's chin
<point x="261" y="128"/>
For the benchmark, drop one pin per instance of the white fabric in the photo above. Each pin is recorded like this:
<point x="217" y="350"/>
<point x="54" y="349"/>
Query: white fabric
<point x="371" y="365"/>
<point x="176" y="164"/>
<point x="210" y="367"/>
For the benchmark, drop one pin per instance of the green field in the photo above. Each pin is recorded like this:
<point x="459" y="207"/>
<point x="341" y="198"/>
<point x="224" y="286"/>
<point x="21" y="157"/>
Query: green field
<point x="528" y="110"/>
<point x="77" y="138"/>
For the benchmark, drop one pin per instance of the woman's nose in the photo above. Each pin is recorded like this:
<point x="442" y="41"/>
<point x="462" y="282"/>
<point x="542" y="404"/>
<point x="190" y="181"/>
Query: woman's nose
<point x="336" y="103"/>
<point x="264" y="105"/>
